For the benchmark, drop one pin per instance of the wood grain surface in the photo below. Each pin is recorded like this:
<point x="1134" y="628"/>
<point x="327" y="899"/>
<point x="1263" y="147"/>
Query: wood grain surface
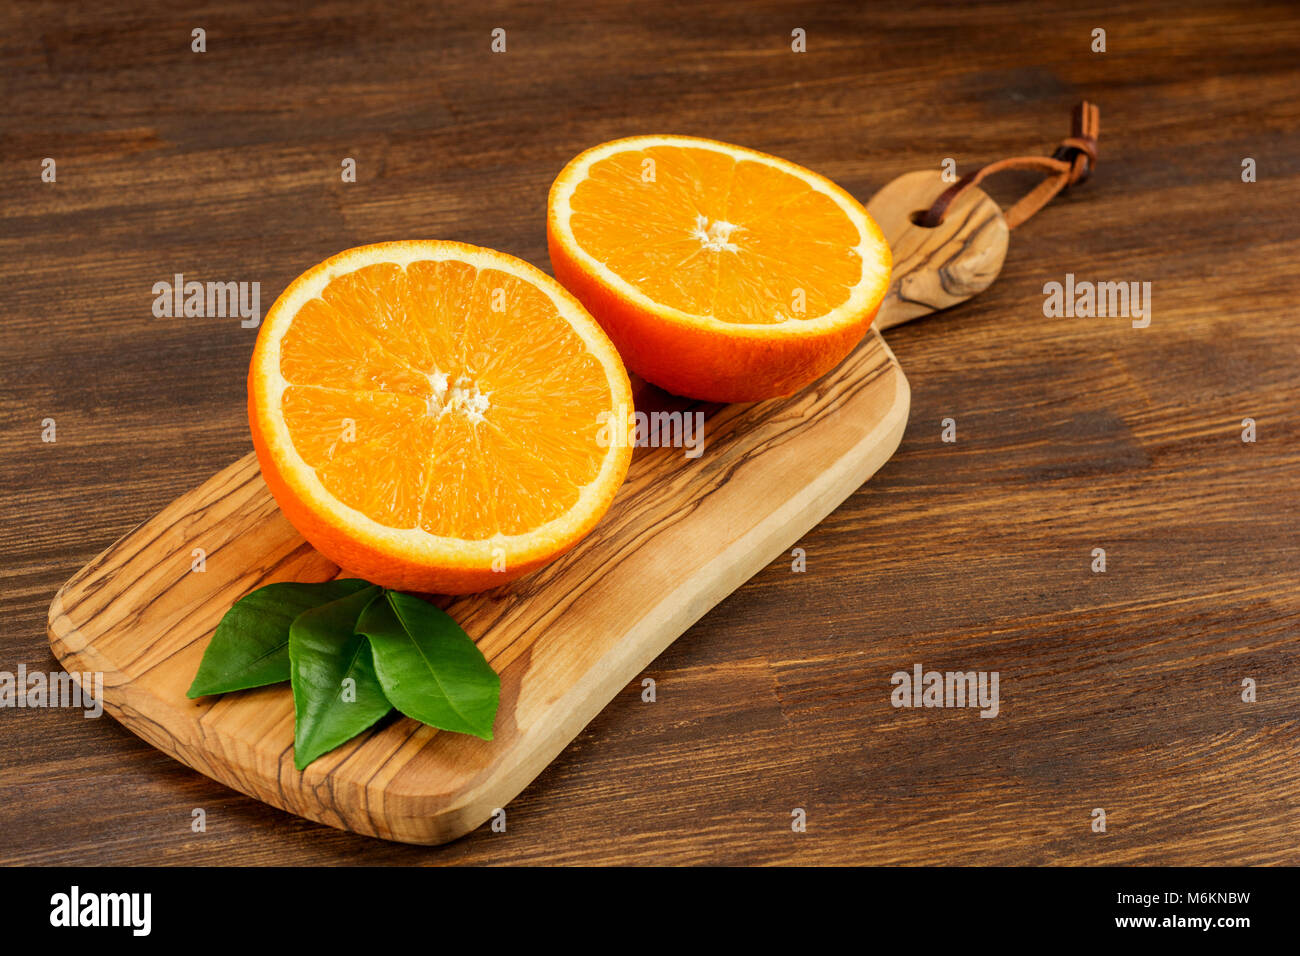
<point x="936" y="267"/>
<point x="1119" y="690"/>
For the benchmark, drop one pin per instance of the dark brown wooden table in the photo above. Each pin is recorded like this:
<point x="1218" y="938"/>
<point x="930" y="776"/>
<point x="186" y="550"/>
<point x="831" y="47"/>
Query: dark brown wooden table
<point x="1119" y="690"/>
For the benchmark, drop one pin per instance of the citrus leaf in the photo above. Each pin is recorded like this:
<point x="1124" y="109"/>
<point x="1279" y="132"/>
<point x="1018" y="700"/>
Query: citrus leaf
<point x="325" y="652"/>
<point x="428" y="666"/>
<point x="251" y="645"/>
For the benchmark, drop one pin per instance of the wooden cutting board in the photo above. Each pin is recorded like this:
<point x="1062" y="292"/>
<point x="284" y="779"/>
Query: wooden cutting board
<point x="681" y="535"/>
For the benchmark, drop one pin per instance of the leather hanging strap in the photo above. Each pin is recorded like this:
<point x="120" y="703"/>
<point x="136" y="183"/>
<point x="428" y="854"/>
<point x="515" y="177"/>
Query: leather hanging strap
<point x="1071" y="164"/>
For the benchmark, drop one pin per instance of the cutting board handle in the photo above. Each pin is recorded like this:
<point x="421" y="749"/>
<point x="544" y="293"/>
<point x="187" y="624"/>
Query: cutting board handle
<point x="935" y="268"/>
<point x="949" y="238"/>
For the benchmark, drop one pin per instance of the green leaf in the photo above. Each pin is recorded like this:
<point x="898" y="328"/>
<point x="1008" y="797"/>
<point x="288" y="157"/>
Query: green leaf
<point x="429" y="668"/>
<point x="251" y="645"/>
<point x="324" y="652"/>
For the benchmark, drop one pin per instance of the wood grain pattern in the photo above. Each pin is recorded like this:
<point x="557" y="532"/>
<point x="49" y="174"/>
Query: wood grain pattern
<point x="1119" y="690"/>
<point x="683" y="533"/>
<point x="942" y="266"/>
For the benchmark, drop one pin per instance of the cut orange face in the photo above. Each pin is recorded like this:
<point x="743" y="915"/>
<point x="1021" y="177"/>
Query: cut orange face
<point x="433" y="416"/>
<point x="721" y="273"/>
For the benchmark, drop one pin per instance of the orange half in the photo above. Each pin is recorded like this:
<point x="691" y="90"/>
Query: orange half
<point x="433" y="416"/>
<point x="720" y="272"/>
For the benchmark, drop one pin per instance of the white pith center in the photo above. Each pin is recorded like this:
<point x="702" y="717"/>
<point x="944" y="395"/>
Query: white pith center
<point x="715" y="234"/>
<point x="461" y="396"/>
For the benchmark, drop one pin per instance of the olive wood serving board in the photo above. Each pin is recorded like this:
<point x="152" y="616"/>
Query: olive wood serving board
<point x="682" y="534"/>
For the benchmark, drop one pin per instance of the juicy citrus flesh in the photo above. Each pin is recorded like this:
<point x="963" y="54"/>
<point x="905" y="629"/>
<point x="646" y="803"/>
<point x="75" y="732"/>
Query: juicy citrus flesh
<point x="716" y="235"/>
<point x="731" y="248"/>
<point x="436" y="416"/>
<point x="457" y="422"/>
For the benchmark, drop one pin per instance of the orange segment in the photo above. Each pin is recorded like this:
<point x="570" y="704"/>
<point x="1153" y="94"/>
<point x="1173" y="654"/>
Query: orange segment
<point x="384" y="479"/>
<point x="326" y="347"/>
<point x="329" y="423"/>
<point x="720" y="272"/>
<point x="429" y="415"/>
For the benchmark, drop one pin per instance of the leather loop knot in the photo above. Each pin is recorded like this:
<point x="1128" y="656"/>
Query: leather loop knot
<point x="1071" y="164"/>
